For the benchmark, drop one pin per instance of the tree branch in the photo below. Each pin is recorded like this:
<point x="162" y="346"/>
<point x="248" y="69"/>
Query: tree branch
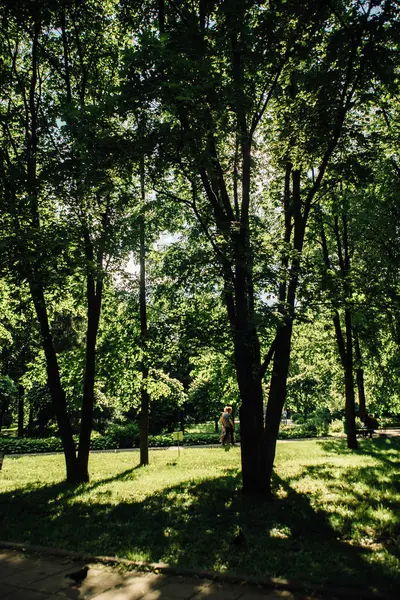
<point x="267" y="359"/>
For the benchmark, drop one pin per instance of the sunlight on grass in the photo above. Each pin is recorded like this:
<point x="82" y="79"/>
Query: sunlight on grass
<point x="335" y="511"/>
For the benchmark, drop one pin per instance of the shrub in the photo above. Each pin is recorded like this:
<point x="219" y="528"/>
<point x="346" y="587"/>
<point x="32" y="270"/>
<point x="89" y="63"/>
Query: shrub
<point x="12" y="445"/>
<point x="123" y="436"/>
<point x="103" y="442"/>
<point x="298" y="419"/>
<point x="9" y="445"/>
<point x="336" y="426"/>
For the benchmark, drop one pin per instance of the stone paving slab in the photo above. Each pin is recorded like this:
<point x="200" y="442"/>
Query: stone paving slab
<point x="96" y="582"/>
<point x="30" y="577"/>
<point x="33" y="572"/>
<point x="23" y="594"/>
<point x="138" y="585"/>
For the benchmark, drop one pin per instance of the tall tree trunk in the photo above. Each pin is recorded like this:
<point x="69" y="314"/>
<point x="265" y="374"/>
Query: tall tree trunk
<point x="94" y="287"/>
<point x="247" y="361"/>
<point x="20" y="410"/>
<point x="277" y="393"/>
<point x="345" y="348"/>
<point x="32" y="269"/>
<point x="350" y="411"/>
<point x="93" y="314"/>
<point x="144" y="395"/>
<point x="347" y="364"/>
<point x="253" y="456"/>
<point x="283" y="340"/>
<point x="362" y="409"/>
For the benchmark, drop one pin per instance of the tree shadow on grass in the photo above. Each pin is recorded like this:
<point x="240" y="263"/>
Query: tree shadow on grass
<point x="364" y="501"/>
<point x="193" y="524"/>
<point x="386" y="449"/>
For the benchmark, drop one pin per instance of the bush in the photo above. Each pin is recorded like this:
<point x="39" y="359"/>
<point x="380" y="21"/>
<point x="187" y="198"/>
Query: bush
<point x="103" y="442"/>
<point x="123" y="436"/>
<point x="309" y="429"/>
<point x="298" y="419"/>
<point x="190" y="439"/>
<point x="10" y="445"/>
<point x="336" y="426"/>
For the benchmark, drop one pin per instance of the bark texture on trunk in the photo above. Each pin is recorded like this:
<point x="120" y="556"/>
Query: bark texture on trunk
<point x="346" y="358"/>
<point x="144" y="420"/>
<point x="93" y="316"/>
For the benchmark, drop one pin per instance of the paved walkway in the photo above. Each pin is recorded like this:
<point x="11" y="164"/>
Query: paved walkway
<point x="37" y="577"/>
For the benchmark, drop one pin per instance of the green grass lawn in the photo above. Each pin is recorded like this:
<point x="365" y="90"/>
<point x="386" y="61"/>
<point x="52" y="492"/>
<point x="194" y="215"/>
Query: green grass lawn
<point x="335" y="517"/>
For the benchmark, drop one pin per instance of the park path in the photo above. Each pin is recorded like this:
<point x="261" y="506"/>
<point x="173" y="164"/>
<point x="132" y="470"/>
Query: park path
<point x="388" y="432"/>
<point x="25" y="576"/>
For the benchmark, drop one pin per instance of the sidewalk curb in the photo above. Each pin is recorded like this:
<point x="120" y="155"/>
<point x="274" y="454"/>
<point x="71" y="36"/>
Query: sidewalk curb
<point x="350" y="592"/>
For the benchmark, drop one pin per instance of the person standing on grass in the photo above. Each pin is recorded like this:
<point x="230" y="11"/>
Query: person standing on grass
<point x="227" y="425"/>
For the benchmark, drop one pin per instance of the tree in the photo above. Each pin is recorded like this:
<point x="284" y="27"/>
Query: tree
<point x="215" y="74"/>
<point x="56" y="87"/>
<point x="344" y="342"/>
<point x="22" y="186"/>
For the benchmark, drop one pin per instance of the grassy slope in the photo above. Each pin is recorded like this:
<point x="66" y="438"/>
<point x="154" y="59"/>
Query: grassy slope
<point x="334" y="516"/>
